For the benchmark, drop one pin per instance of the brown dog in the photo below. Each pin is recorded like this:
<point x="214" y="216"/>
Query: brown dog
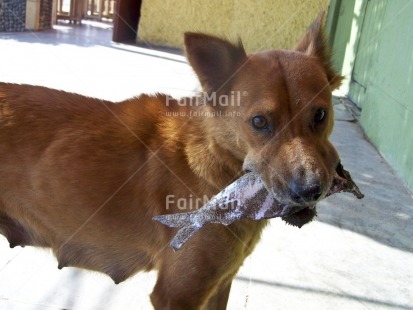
<point x="85" y="176"/>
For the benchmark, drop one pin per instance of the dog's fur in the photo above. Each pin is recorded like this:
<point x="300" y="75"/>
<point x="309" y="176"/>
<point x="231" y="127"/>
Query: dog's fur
<point x="85" y="176"/>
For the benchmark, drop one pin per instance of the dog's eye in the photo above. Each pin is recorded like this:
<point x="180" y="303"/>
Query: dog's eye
<point x="259" y="122"/>
<point x="319" y="115"/>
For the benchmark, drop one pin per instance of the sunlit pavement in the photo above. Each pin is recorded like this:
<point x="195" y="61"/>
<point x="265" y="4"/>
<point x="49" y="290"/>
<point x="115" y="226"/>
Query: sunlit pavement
<point x="358" y="254"/>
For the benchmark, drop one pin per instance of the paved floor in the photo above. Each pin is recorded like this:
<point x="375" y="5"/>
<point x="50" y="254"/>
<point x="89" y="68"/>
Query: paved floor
<point x="356" y="255"/>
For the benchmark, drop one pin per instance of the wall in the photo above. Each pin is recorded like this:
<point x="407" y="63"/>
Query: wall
<point x="381" y="80"/>
<point x="345" y="18"/>
<point x="12" y="15"/>
<point x="260" y="24"/>
<point x="22" y="15"/>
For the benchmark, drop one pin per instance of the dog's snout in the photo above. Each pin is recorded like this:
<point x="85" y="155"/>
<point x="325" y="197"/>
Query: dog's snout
<point x="302" y="193"/>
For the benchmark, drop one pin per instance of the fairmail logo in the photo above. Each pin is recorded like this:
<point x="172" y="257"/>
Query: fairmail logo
<point x="188" y="203"/>
<point x="213" y="99"/>
<point x="192" y="202"/>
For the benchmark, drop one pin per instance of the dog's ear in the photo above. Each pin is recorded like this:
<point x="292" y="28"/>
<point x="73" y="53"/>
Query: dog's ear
<point x="314" y="43"/>
<point x="214" y="60"/>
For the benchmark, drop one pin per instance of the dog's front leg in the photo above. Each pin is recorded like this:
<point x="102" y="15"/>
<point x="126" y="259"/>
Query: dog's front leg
<point x="199" y="275"/>
<point x="219" y="300"/>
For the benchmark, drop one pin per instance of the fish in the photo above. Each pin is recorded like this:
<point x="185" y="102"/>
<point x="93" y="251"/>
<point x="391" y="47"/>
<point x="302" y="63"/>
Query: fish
<point x="247" y="198"/>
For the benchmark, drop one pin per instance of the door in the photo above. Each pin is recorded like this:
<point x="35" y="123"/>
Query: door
<point x="126" y="19"/>
<point x="368" y="45"/>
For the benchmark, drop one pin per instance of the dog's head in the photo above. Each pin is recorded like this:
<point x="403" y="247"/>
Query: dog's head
<point x="278" y="113"/>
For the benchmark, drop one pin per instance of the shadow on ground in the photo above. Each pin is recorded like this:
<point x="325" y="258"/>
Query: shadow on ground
<point x="386" y="212"/>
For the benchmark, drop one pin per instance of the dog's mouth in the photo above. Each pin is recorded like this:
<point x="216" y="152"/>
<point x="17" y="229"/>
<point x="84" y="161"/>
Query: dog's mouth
<point x="342" y="182"/>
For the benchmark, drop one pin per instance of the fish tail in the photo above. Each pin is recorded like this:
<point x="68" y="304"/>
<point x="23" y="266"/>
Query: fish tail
<point x="183" y="235"/>
<point x="175" y="219"/>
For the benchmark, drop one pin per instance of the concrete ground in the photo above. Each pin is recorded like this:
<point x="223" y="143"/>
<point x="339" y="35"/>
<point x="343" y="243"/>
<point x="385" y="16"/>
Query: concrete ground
<point x="358" y="254"/>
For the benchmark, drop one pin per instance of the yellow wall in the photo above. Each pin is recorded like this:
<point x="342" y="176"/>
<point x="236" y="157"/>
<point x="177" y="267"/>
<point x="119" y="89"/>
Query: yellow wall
<point x="261" y="24"/>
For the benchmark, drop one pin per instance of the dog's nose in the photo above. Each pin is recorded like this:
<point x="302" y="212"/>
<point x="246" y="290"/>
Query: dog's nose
<point x="305" y="193"/>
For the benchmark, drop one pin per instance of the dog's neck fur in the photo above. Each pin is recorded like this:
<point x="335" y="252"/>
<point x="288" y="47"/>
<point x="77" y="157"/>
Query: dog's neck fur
<point x="189" y="132"/>
<point x="217" y="163"/>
